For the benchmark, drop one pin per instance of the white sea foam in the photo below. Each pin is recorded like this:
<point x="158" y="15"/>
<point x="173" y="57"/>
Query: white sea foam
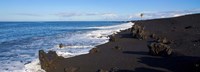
<point x="75" y="44"/>
<point x="91" y="39"/>
<point x="34" y="66"/>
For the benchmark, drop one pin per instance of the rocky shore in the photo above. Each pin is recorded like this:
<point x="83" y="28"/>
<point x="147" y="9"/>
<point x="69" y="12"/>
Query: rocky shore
<point x="158" y="45"/>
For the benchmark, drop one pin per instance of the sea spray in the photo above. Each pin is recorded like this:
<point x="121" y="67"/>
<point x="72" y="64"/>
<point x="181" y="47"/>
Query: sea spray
<point x="78" y="39"/>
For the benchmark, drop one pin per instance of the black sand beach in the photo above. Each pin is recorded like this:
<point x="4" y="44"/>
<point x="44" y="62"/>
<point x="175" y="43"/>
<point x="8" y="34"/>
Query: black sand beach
<point x="158" y="45"/>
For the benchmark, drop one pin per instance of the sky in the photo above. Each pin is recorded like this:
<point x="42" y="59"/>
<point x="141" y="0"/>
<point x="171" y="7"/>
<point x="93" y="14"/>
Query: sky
<point x="93" y="10"/>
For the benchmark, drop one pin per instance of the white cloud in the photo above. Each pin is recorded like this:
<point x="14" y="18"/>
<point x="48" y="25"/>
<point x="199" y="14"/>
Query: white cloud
<point x="101" y="16"/>
<point x="73" y="14"/>
<point x="28" y="14"/>
<point x="66" y="14"/>
<point x="106" y="15"/>
<point x="109" y="16"/>
<point x="151" y="15"/>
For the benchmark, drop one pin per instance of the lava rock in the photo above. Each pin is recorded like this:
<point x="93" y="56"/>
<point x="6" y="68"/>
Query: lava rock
<point x="139" y="32"/>
<point x="112" y="38"/>
<point x="163" y="40"/>
<point x="159" y="49"/>
<point x="47" y="60"/>
<point x="61" y="45"/>
<point x="117" y="48"/>
<point x="94" y="50"/>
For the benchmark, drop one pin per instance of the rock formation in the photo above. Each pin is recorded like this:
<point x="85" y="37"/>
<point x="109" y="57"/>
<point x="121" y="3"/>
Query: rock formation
<point x="159" y="49"/>
<point x="61" y="45"/>
<point x="159" y="46"/>
<point x="112" y="38"/>
<point x="47" y="60"/>
<point x="94" y="50"/>
<point x="139" y="32"/>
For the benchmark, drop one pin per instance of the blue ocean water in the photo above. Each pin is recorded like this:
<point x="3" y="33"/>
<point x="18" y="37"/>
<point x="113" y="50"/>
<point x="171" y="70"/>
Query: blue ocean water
<point x="20" y="41"/>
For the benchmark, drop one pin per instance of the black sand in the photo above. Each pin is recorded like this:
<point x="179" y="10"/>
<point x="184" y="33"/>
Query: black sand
<point x="129" y="54"/>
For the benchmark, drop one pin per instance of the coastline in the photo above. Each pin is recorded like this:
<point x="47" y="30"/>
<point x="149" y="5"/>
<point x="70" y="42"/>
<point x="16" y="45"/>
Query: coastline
<point x="129" y="50"/>
<point x="101" y="35"/>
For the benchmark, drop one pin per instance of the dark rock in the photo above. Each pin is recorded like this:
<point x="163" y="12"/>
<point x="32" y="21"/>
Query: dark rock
<point x="139" y="32"/>
<point x="163" y="40"/>
<point x="61" y="45"/>
<point x="71" y="69"/>
<point x="47" y="60"/>
<point x="117" y="48"/>
<point x="160" y="39"/>
<point x="26" y="62"/>
<point x="153" y="36"/>
<point x="94" y="50"/>
<point x="159" y="49"/>
<point x="112" y="38"/>
<point x="188" y="27"/>
<point x="144" y="34"/>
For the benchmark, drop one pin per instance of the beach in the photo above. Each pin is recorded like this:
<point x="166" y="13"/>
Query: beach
<point x="20" y="41"/>
<point x="155" y="45"/>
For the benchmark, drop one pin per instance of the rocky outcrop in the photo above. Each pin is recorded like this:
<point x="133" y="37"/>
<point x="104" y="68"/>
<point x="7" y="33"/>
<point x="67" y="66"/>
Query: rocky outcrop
<point x="117" y="48"/>
<point x="61" y="45"/>
<point x="112" y="38"/>
<point x="139" y="32"/>
<point x="159" y="49"/>
<point x="159" y="46"/>
<point x="160" y="39"/>
<point x="94" y="50"/>
<point x="47" y="60"/>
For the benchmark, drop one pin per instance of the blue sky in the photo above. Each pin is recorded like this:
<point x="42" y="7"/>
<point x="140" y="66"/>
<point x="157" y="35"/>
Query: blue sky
<point x="92" y="10"/>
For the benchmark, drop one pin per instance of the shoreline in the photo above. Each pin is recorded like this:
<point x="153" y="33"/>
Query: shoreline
<point x="103" y="36"/>
<point x="128" y="50"/>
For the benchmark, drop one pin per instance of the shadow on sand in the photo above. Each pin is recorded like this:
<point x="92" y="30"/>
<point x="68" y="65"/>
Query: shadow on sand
<point x="173" y="63"/>
<point x="136" y="52"/>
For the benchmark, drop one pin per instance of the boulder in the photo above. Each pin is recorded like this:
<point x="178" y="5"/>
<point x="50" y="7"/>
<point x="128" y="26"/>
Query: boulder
<point x="94" y="50"/>
<point x="139" y="32"/>
<point x="159" y="49"/>
<point x="112" y="38"/>
<point x="61" y="45"/>
<point x="47" y="60"/>
<point x="144" y="34"/>
<point x="154" y="36"/>
<point x="117" y="48"/>
<point x="163" y="40"/>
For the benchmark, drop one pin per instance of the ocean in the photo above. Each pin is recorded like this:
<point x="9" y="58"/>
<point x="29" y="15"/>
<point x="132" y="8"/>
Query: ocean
<point x="20" y="41"/>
